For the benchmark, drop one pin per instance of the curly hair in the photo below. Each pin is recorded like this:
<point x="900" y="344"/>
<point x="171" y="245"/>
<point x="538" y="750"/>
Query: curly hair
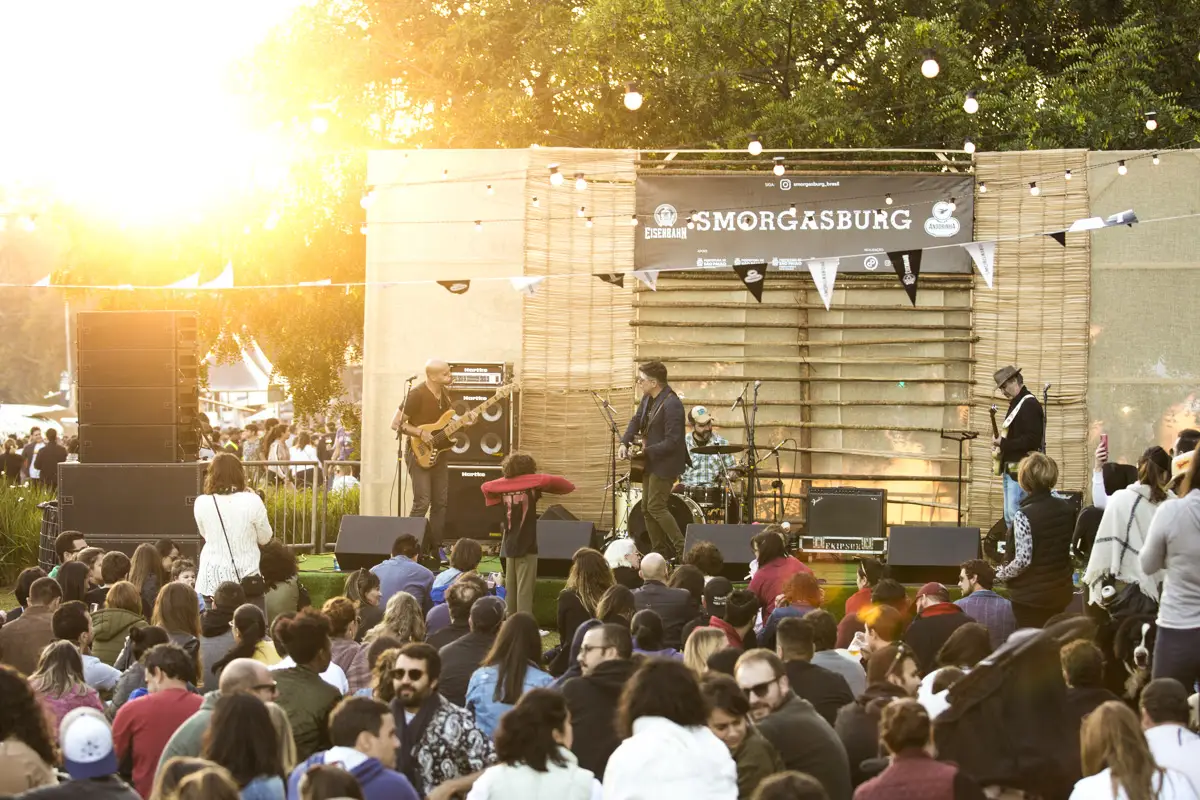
<point x="590" y="577"/>
<point x="518" y="464"/>
<point x="21" y="716"/>
<point x="383" y="661"/>
<point x="706" y="557"/>
<point x="277" y="563"/>
<point x="342" y="614"/>
<point x="402" y="618"/>
<point x="526" y="732"/>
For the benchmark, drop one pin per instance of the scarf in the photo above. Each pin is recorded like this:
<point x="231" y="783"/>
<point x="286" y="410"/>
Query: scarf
<point x="215" y="622"/>
<point x="1119" y="539"/>
<point x="410" y="734"/>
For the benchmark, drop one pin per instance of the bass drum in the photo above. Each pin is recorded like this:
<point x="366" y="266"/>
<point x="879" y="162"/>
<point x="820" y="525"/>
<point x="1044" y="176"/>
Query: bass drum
<point x="685" y="510"/>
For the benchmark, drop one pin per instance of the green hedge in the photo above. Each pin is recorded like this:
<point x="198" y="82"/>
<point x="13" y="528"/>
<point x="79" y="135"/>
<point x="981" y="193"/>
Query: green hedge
<point x="290" y="511"/>
<point x="20" y="528"/>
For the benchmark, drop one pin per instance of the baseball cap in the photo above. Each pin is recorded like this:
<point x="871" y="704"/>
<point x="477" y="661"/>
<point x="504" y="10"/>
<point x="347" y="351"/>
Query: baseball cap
<point x="934" y="589"/>
<point x="487" y="613"/>
<point x="87" y="745"/>
<point x="716" y="596"/>
<point x="700" y="415"/>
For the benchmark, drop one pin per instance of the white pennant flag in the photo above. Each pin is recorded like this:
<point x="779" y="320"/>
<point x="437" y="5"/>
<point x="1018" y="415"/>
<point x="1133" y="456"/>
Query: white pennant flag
<point x="527" y="285"/>
<point x="984" y="256"/>
<point x="322" y="282"/>
<point x="648" y="277"/>
<point x="824" y="273"/>
<point x="43" y="282"/>
<point x="190" y="282"/>
<point x="222" y="281"/>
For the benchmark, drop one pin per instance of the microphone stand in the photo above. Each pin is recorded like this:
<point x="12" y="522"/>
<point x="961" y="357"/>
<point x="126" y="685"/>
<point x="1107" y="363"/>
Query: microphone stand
<point x="965" y="436"/>
<point x="749" y="416"/>
<point x="606" y="411"/>
<point x="777" y="484"/>
<point x="400" y="451"/>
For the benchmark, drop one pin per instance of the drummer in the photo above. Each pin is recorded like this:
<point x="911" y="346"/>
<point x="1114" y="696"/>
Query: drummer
<point x="706" y="470"/>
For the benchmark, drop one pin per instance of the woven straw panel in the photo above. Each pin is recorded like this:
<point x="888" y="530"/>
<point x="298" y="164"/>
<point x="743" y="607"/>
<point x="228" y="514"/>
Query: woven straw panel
<point x="1037" y="315"/>
<point x="576" y="335"/>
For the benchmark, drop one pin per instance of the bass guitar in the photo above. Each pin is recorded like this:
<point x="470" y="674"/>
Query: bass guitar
<point x="443" y="430"/>
<point x="996" y="464"/>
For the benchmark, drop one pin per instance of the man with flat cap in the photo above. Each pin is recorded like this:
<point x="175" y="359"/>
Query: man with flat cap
<point x="1020" y="434"/>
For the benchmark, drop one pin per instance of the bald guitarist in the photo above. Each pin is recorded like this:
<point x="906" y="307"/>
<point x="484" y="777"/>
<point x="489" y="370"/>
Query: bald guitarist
<point x="426" y="403"/>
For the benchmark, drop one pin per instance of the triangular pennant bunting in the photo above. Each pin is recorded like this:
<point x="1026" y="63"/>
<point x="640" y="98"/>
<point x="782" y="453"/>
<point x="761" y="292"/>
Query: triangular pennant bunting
<point x="322" y="282"/>
<point x="222" y="281"/>
<point x="527" y="285"/>
<point x="1123" y="218"/>
<point x="190" y="282"/>
<point x="1059" y="236"/>
<point x="1086" y="224"/>
<point x="754" y="276"/>
<point x="43" y="282"/>
<point x="615" y="278"/>
<point x="455" y="287"/>
<point x="824" y="273"/>
<point x="907" y="264"/>
<point x="648" y="277"/>
<point x="984" y="256"/>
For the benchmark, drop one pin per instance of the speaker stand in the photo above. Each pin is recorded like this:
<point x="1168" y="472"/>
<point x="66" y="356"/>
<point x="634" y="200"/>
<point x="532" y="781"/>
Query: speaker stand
<point x="961" y="438"/>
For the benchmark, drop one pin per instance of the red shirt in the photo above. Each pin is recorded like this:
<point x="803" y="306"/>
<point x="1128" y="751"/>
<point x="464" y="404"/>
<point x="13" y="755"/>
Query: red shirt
<point x="857" y="601"/>
<point x="768" y="582"/>
<point x="142" y="728"/>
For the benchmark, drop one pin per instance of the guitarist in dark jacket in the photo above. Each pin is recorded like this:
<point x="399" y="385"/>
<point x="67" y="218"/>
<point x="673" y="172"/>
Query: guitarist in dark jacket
<point x="1020" y="435"/>
<point x="660" y="422"/>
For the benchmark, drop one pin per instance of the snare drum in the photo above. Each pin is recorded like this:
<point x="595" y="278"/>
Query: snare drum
<point x="706" y="496"/>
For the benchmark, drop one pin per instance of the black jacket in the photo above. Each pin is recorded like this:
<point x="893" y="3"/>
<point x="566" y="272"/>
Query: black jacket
<point x="858" y="727"/>
<point x="571" y="614"/>
<point x="110" y="787"/>
<point x="47" y="460"/>
<point x="825" y="689"/>
<point x="674" y="606"/>
<point x="459" y="659"/>
<point x="448" y="635"/>
<point x="1084" y="700"/>
<point x="592" y="700"/>
<point x="666" y="451"/>
<point x="1046" y="582"/>
<point x="1025" y="432"/>
<point x="807" y="743"/>
<point x="930" y="630"/>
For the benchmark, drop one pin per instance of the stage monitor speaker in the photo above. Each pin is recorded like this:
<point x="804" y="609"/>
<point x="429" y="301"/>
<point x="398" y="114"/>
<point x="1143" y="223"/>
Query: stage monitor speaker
<point x="122" y="405"/>
<point x="136" y="330"/>
<point x="918" y="554"/>
<point x="557" y="542"/>
<point x="137" y="444"/>
<point x="137" y="368"/>
<point x="490" y="439"/>
<point x="846" y="512"/>
<point x="363" y="542"/>
<point x="467" y="517"/>
<point x="126" y="504"/>
<point x="557" y="512"/>
<point x="732" y="540"/>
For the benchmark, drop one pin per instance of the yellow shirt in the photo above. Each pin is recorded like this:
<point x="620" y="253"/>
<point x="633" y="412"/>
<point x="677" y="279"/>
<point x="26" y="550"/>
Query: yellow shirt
<point x="264" y="653"/>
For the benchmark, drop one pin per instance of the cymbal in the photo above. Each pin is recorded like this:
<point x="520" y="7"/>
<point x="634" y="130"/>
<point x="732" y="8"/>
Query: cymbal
<point x="718" y="449"/>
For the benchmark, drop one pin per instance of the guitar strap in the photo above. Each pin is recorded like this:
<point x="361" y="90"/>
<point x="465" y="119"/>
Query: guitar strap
<point x="1013" y="415"/>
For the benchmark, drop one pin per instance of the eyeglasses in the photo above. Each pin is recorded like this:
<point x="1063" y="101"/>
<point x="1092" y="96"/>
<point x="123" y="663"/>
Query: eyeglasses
<point x="587" y="648"/>
<point x="413" y="674"/>
<point x="271" y="687"/>
<point x="760" y="689"/>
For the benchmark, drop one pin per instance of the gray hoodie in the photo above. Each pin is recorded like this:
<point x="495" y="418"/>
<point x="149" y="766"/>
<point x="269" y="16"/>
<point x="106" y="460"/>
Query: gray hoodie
<point x="1173" y="543"/>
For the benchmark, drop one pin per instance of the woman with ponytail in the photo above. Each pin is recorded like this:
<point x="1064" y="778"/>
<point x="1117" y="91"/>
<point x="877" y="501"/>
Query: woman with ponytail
<point x="252" y="638"/>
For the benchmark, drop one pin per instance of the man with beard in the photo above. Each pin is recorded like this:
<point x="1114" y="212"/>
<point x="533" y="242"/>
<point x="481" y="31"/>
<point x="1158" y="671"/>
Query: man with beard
<point x="706" y="470"/>
<point x="605" y="660"/>
<point x="805" y="741"/>
<point x="439" y="741"/>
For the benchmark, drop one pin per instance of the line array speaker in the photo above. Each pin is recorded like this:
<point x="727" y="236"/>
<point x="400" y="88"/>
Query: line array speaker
<point x="363" y="542"/>
<point x="137" y="330"/>
<point x="119" y="506"/>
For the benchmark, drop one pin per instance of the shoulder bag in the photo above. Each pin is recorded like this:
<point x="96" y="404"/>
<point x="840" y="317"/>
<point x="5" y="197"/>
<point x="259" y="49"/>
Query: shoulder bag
<point x="252" y="585"/>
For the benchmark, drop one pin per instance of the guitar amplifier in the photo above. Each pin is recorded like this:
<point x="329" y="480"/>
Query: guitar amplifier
<point x="490" y="439"/>
<point x="845" y="520"/>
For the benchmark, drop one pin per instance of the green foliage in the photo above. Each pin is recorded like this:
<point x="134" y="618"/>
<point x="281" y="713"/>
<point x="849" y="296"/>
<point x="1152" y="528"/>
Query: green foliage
<point x="295" y="521"/>
<point x="20" y="529"/>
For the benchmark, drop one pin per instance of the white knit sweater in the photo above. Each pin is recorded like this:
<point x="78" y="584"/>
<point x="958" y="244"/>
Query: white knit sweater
<point x="246" y="523"/>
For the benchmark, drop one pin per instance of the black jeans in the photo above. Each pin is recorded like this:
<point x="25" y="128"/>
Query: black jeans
<point x="430" y="492"/>
<point x="1033" y="616"/>
<point x="1177" y="655"/>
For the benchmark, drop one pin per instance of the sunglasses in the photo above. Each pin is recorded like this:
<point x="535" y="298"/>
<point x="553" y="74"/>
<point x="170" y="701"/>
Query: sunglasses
<point x="413" y="674"/>
<point x="760" y="689"/>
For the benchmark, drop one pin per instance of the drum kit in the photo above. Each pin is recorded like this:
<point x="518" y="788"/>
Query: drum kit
<point x="689" y="505"/>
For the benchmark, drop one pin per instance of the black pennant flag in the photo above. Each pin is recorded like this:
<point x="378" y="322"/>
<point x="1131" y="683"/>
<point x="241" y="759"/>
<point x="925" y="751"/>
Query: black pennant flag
<point x="1059" y="236"/>
<point x="455" y="287"/>
<point x="754" y="276"/>
<point x="615" y="278"/>
<point x="907" y="264"/>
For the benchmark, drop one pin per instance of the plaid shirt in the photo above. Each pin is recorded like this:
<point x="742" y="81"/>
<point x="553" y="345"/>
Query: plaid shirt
<point x="705" y="470"/>
<point x="992" y="611"/>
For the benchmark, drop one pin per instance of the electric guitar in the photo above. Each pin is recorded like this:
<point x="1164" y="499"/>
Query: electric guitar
<point x="996" y="465"/>
<point x="442" y="431"/>
<point x="637" y="459"/>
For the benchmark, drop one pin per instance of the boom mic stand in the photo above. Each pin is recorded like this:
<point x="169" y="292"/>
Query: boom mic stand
<point x="965" y="436"/>
<point x="749" y="416"/>
<point x="606" y="411"/>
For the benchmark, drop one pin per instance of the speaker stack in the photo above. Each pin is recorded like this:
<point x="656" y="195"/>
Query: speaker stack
<point x="138" y="399"/>
<point x="478" y="450"/>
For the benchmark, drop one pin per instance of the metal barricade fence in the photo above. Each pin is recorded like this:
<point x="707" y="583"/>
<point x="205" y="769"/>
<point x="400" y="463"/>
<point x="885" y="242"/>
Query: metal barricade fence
<point x="305" y="499"/>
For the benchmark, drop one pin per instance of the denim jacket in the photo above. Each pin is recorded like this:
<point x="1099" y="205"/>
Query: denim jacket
<point x="482" y="689"/>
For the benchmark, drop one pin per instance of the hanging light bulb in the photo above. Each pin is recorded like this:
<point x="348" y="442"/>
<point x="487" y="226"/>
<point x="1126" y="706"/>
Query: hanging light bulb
<point x="490" y="190"/>
<point x="633" y="97"/>
<point x="887" y="198"/>
<point x="580" y="182"/>
<point x="983" y="187"/>
<point x="778" y="169"/>
<point x="368" y="197"/>
<point x="363" y="229"/>
<point x="588" y="222"/>
<point x="445" y="174"/>
<point x="755" y="146"/>
<point x="1033" y="188"/>
<point x="1067" y="175"/>
<point x="556" y="177"/>
<point x="478" y="225"/>
<point x="633" y="220"/>
<point x="953" y="204"/>
<point x="536" y="204"/>
<point x="930" y="67"/>
<point x="690" y="223"/>
<point x="579" y="213"/>
<point x="969" y="147"/>
<point x="1151" y="121"/>
<point x="1121" y="168"/>
<point x="1154" y="160"/>
<point x="971" y="104"/>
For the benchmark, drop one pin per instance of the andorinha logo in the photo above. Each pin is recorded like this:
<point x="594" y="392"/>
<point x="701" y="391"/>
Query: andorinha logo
<point x="942" y="224"/>
<point x="665" y="217"/>
<point x="753" y="276"/>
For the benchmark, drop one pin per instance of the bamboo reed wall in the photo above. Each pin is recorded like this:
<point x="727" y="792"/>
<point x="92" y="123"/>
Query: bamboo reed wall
<point x="1037" y="315"/>
<point x="576" y="337"/>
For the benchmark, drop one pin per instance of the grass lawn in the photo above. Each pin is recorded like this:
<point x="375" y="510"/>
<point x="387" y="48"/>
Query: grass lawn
<point x="8" y="600"/>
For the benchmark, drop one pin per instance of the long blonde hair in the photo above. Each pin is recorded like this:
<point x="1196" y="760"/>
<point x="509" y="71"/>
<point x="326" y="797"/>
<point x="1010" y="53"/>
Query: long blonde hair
<point x="699" y="646"/>
<point x="283" y="732"/>
<point x="1112" y="738"/>
<point x="590" y="577"/>
<point x="59" y="671"/>
<point x="402" y="618"/>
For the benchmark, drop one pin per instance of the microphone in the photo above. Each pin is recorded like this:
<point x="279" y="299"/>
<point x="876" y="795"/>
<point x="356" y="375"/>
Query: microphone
<point x="757" y="384"/>
<point x="735" y="403"/>
<point x="410" y="378"/>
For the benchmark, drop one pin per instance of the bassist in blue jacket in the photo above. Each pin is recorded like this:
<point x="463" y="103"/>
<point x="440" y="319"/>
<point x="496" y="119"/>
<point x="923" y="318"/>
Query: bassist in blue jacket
<point x="659" y="422"/>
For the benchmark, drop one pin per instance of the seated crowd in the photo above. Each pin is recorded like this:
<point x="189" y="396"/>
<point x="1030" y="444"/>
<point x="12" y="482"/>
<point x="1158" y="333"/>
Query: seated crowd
<point x="119" y="680"/>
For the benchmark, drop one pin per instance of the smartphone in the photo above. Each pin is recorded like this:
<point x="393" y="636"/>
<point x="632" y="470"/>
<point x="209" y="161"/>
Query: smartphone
<point x="1104" y="441"/>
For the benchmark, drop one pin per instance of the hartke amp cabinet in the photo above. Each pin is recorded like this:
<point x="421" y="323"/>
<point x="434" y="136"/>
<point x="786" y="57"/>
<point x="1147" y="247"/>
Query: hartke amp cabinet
<point x="847" y="520"/>
<point x="467" y="516"/>
<point x="490" y="439"/>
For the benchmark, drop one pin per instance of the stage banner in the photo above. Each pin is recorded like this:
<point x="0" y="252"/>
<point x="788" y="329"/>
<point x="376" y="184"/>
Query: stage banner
<point x="788" y="221"/>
